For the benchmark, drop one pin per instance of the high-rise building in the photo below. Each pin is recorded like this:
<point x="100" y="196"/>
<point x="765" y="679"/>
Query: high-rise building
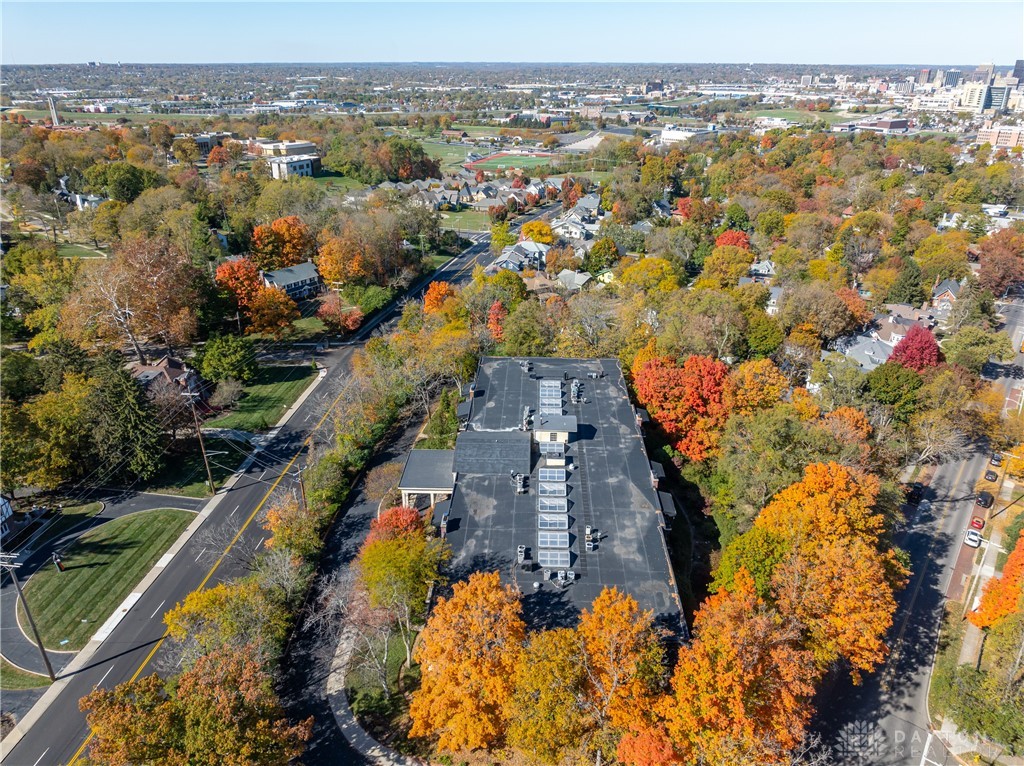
<point x="805" y="81"/>
<point x="951" y="78"/>
<point x="998" y="97"/>
<point x="924" y="76"/>
<point x="1018" y="70"/>
<point x="974" y="96"/>
<point x="983" y="74"/>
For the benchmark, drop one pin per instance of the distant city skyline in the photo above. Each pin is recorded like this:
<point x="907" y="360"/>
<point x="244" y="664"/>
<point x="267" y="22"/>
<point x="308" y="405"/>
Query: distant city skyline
<point x="819" y="33"/>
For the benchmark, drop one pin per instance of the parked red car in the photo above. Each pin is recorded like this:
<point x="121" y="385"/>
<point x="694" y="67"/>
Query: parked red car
<point x="977" y="522"/>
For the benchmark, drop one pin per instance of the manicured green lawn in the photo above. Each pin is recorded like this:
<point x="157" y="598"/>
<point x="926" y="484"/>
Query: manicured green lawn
<point x="69" y="519"/>
<point x="14" y="679"/>
<point x="800" y="115"/>
<point x="451" y="156"/>
<point x="101" y="569"/>
<point x="306" y="329"/>
<point x="77" y="251"/>
<point x="184" y="473"/>
<point x="266" y="398"/>
<point x="335" y="182"/>
<point x="437" y="261"/>
<point x="469" y="220"/>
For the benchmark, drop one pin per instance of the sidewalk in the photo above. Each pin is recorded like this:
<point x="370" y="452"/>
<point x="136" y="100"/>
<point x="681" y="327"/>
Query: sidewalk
<point x="356" y="735"/>
<point x="15" y="645"/>
<point x="207" y="506"/>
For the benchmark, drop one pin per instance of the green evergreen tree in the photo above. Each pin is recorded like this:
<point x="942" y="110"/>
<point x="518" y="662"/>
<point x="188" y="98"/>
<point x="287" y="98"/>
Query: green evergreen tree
<point x="125" y="431"/>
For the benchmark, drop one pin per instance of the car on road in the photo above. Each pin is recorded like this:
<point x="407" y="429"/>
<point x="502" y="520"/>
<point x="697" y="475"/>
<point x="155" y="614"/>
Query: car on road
<point x="996" y="459"/>
<point x="972" y="538"/>
<point x="914" y="493"/>
<point x="985" y="499"/>
<point x="991" y="476"/>
<point x="977" y="522"/>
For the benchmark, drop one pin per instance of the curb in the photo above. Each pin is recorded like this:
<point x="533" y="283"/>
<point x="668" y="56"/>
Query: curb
<point x="337" y="697"/>
<point x="86" y="654"/>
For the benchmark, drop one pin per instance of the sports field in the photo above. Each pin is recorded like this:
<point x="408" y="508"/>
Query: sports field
<point x="507" y="160"/>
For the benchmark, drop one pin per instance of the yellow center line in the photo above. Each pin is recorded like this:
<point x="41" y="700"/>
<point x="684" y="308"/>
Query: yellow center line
<point x="248" y="521"/>
<point x="897" y="645"/>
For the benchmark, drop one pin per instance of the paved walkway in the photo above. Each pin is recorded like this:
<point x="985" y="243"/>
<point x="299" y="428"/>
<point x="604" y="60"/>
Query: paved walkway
<point x="15" y="646"/>
<point x="314" y="669"/>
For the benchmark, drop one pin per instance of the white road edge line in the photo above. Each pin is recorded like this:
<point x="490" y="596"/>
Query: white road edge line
<point x="41" y="757"/>
<point x="157" y="609"/>
<point x="100" y="682"/>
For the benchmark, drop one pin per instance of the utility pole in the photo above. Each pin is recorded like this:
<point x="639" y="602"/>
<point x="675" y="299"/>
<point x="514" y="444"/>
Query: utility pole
<point x="302" y="487"/>
<point x="199" y="432"/>
<point x="7" y="563"/>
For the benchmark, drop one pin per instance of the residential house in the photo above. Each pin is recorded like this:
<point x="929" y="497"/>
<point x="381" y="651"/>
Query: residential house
<point x="945" y="294"/>
<point x="522" y="255"/>
<point x="167" y="373"/>
<point x="573" y="280"/>
<point x="455" y="135"/>
<point x="6" y="512"/>
<point x="300" y="281"/>
<point x="763" y="272"/>
<point x="867" y="352"/>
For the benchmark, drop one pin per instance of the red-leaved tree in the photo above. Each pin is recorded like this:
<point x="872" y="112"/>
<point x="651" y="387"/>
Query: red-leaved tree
<point x="395" y="522"/>
<point x="733" y="238"/>
<point x="918" y="350"/>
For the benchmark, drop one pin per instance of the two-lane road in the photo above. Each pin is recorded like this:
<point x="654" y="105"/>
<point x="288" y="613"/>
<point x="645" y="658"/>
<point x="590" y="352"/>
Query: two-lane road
<point x="216" y="553"/>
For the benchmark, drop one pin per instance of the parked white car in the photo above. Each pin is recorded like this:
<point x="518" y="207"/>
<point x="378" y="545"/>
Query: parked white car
<point x="972" y="537"/>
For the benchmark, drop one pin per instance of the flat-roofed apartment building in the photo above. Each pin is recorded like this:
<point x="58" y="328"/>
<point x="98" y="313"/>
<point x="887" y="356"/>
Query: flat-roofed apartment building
<point x="550" y="485"/>
<point x="1001" y="136"/>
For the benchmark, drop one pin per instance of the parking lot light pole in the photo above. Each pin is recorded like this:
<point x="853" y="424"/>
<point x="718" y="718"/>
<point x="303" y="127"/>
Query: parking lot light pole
<point x="7" y="563"/>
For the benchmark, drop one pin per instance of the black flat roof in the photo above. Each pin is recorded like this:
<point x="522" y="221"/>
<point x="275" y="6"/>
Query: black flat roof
<point x="609" y="487"/>
<point x="492" y="452"/>
<point x="428" y="469"/>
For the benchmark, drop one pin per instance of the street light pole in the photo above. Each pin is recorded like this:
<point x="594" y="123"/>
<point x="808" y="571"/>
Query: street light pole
<point x="199" y="432"/>
<point x="7" y="562"/>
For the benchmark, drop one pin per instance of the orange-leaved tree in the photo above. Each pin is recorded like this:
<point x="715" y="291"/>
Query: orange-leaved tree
<point x="839" y="592"/>
<point x="284" y="242"/>
<point x="271" y="311"/>
<point x="468" y="653"/>
<point x="242" y="278"/>
<point x="292" y="527"/>
<point x="831" y="502"/>
<point x="622" y="657"/>
<point x="646" y="745"/>
<point x="436" y="295"/>
<point x="687" y="401"/>
<point x="341" y="259"/>
<point x="1002" y="596"/>
<point x="496" y="320"/>
<point x="741" y="690"/>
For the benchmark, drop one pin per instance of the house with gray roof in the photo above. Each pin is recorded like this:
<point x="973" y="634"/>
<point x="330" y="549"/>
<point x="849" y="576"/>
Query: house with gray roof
<point x="300" y="281"/>
<point x="866" y="351"/>
<point x="945" y="294"/>
<point x="573" y="280"/>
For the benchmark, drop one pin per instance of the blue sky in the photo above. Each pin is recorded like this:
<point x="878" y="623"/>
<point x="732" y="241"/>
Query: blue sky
<point x="822" y="32"/>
